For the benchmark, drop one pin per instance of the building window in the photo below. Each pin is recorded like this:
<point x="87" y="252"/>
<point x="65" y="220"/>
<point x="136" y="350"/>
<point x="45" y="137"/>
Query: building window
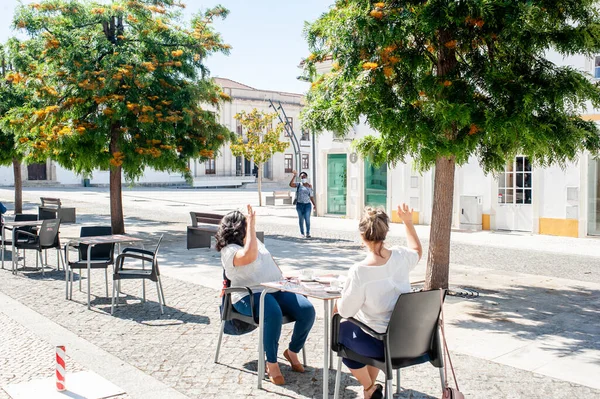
<point x="209" y="167"/>
<point x="514" y="186"/>
<point x="305" y="135"/>
<point x="305" y="163"/>
<point x="289" y="163"/>
<point x="597" y="67"/>
<point x="238" y="128"/>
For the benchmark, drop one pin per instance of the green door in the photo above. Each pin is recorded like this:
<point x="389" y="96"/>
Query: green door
<point x="336" y="184"/>
<point x="375" y="185"/>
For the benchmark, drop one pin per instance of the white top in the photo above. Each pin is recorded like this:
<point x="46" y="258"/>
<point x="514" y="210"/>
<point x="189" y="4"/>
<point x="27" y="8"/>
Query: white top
<point x="262" y="270"/>
<point x="371" y="292"/>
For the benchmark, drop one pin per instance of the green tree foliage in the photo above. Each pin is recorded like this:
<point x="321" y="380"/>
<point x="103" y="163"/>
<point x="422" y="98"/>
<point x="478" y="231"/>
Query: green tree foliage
<point x="442" y="81"/>
<point x="12" y="95"/>
<point x="121" y="86"/>
<point x="260" y="142"/>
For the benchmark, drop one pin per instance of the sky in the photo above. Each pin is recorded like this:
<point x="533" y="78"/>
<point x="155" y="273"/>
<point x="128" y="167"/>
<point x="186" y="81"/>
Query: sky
<point x="266" y="37"/>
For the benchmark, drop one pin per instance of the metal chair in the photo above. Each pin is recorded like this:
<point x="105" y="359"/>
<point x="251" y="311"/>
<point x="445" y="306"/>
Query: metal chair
<point x="102" y="255"/>
<point x="123" y="273"/>
<point x="228" y="313"/>
<point x="24" y="217"/>
<point x="412" y="338"/>
<point x="46" y="238"/>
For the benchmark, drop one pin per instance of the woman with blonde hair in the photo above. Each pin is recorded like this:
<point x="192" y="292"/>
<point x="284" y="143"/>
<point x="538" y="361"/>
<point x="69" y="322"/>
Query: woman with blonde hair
<point x="372" y="290"/>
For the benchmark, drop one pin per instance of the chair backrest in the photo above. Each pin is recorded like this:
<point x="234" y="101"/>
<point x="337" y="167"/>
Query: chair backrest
<point x="48" y="233"/>
<point x="25" y="217"/>
<point x="413" y="325"/>
<point x="101" y="251"/>
<point x="50" y="202"/>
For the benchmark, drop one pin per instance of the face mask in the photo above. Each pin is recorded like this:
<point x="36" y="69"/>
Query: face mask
<point x="304" y="181"/>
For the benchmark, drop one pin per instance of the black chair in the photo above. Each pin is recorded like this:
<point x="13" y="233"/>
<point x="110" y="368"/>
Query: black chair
<point x="46" y="238"/>
<point x="228" y="313"/>
<point x="123" y="273"/>
<point x="102" y="255"/>
<point x="412" y="338"/>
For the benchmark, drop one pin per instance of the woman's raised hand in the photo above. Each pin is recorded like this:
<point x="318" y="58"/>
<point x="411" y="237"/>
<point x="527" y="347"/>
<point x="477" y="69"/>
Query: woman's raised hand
<point x="405" y="213"/>
<point x="251" y="217"/>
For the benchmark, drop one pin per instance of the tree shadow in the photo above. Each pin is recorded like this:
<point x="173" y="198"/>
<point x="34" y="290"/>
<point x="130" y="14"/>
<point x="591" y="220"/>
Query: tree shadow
<point x="571" y="313"/>
<point x="148" y="313"/>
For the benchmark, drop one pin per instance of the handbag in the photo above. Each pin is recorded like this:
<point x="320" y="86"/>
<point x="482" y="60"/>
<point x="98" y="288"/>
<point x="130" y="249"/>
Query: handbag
<point x="448" y="392"/>
<point x="296" y="197"/>
<point x="233" y="327"/>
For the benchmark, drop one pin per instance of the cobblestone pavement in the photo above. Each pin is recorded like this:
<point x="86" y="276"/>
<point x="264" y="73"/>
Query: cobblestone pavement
<point x="178" y="347"/>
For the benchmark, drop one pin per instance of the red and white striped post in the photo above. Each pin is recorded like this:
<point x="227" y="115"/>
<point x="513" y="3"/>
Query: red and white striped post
<point x="60" y="368"/>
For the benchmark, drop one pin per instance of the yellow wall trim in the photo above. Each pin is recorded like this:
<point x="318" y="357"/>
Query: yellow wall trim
<point x="591" y="117"/>
<point x="396" y="219"/>
<point x="485" y="221"/>
<point x="559" y="227"/>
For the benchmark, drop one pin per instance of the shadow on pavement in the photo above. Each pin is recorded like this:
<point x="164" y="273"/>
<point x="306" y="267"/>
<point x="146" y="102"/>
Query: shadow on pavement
<point x="533" y="313"/>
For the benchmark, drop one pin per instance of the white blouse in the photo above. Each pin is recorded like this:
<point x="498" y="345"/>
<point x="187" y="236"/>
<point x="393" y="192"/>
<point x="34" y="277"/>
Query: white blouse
<point x="371" y="292"/>
<point x="262" y="270"/>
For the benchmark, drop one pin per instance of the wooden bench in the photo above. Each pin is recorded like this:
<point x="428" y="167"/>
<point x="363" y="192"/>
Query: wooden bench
<point x="286" y="196"/>
<point x="204" y="226"/>
<point x="52" y="208"/>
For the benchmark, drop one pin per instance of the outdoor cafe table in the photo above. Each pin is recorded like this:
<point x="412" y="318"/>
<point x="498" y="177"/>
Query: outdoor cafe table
<point x="322" y="295"/>
<point x="92" y="242"/>
<point x="12" y="226"/>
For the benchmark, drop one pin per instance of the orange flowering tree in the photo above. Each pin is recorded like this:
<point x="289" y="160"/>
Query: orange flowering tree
<point x="119" y="86"/>
<point x="12" y="95"/>
<point x="442" y="81"/>
<point x="259" y="140"/>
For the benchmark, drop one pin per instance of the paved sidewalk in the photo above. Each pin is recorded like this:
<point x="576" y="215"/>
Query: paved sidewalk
<point x="533" y="333"/>
<point x="177" y="349"/>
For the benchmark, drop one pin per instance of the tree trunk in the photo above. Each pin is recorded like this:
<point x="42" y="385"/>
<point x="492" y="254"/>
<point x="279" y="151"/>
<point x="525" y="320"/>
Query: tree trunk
<point x="116" y="197"/>
<point x="18" y="186"/>
<point x="438" y="260"/>
<point x="260" y="184"/>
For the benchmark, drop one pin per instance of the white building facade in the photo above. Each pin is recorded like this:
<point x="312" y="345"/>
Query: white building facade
<point x="223" y="171"/>
<point x="554" y="200"/>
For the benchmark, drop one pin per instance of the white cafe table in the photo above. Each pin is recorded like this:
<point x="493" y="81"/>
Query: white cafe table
<point x="91" y="242"/>
<point x="12" y="226"/>
<point x="327" y="298"/>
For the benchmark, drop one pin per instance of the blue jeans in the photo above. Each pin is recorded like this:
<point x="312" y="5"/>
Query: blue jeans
<point x="276" y="305"/>
<point x="355" y="339"/>
<point x="304" y="216"/>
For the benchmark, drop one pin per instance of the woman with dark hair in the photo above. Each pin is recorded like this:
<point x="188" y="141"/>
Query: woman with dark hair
<point x="304" y="199"/>
<point x="248" y="263"/>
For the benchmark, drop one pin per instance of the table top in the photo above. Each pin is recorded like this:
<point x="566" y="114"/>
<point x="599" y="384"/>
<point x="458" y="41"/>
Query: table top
<point x="297" y="288"/>
<point x="109" y="239"/>
<point x="9" y="224"/>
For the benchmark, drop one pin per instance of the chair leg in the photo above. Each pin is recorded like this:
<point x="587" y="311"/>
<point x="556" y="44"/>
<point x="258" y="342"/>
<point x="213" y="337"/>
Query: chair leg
<point x="72" y="273"/>
<point x="159" y="298"/>
<point x="389" y="387"/>
<point x="219" y="341"/>
<point x="442" y="379"/>
<point x="161" y="291"/>
<point x="398" y="381"/>
<point x="338" y="378"/>
<point x="40" y="258"/>
<point x="112" y="302"/>
<point x="106" y="280"/>
<point x="303" y="357"/>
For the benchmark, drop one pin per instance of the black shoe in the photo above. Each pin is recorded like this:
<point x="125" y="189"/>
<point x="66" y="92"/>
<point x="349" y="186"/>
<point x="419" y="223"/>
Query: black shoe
<point x="308" y="236"/>
<point x="378" y="393"/>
